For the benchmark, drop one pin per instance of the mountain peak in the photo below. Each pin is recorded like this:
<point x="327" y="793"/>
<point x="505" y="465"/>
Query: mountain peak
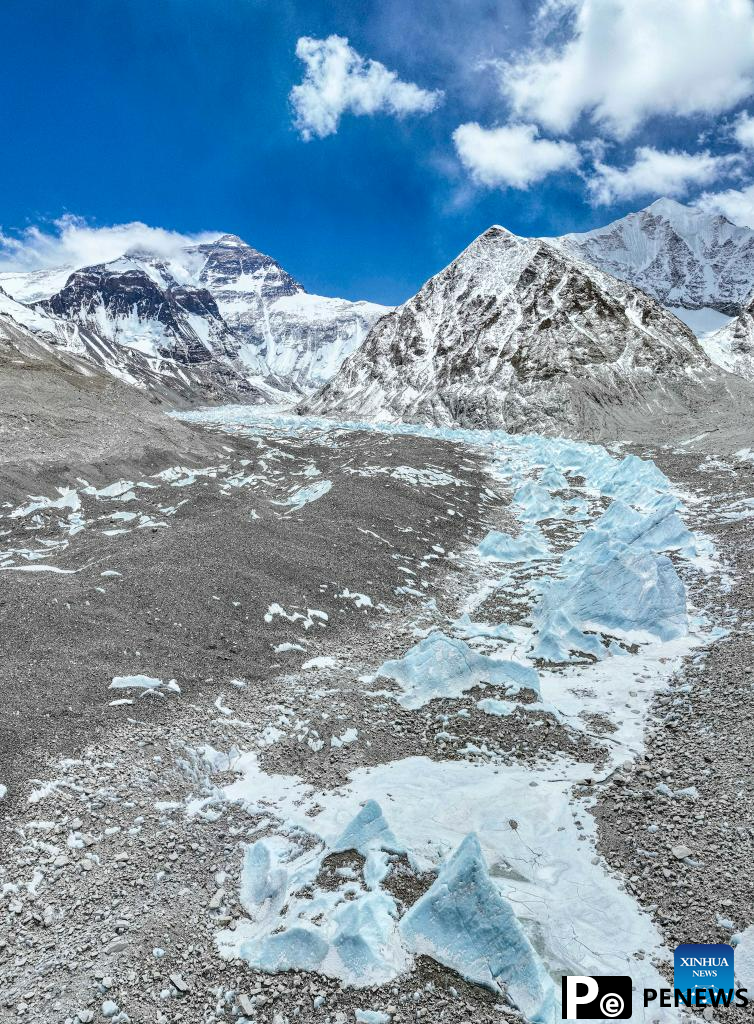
<point x="496" y="232"/>
<point x="681" y="255"/>
<point x="231" y="242"/>
<point x="517" y="334"/>
<point x="686" y="220"/>
<point x="668" y="207"/>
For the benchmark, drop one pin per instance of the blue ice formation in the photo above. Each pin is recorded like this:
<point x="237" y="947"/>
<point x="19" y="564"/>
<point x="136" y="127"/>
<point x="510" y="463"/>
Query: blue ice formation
<point x="295" y="949"/>
<point x="553" y="480"/>
<point x="465" y="923"/>
<point x="629" y="593"/>
<point x="264" y="878"/>
<point x="372" y="1017"/>
<point x="368" y="831"/>
<point x="364" y="928"/>
<point x="349" y="932"/>
<point x="621" y="527"/>
<point x="536" y="503"/>
<point x="527" y="547"/>
<point x="443" y="666"/>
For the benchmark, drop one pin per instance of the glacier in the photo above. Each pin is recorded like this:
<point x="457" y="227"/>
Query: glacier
<point x="605" y="624"/>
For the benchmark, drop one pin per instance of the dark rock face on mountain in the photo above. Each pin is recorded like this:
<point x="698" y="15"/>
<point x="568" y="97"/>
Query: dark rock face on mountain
<point x="127" y="305"/>
<point x="517" y="334"/>
<point x="680" y="255"/>
<point x="94" y="336"/>
<point x="229" y="260"/>
<point x="219" y="304"/>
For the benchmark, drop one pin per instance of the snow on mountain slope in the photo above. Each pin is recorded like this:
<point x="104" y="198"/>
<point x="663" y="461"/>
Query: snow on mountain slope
<point x="99" y="339"/>
<point x="301" y="336"/>
<point x="680" y="255"/>
<point x="309" y="336"/>
<point x="517" y="334"/>
<point x="732" y="346"/>
<point x="147" y="311"/>
<point x="32" y="286"/>
<point x="222" y="297"/>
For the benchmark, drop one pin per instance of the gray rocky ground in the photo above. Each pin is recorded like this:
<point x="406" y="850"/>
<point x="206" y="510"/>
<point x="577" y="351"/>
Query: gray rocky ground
<point x="700" y="736"/>
<point x="190" y="604"/>
<point x="61" y="418"/>
<point x="111" y="895"/>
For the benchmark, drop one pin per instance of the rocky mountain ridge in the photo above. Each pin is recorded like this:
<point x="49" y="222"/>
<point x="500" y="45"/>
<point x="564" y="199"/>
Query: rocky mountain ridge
<point x="210" y="377"/>
<point x="221" y="311"/>
<point x="518" y="334"/>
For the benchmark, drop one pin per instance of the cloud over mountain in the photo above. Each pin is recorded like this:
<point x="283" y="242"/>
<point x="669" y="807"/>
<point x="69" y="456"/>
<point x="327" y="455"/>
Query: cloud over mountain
<point x="339" y="80"/>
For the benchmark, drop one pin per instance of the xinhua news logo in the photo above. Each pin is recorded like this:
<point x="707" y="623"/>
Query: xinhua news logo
<point x="705" y="966"/>
<point x="605" y="998"/>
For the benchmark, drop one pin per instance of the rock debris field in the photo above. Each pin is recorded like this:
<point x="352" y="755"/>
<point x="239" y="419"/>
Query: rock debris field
<point x="379" y="725"/>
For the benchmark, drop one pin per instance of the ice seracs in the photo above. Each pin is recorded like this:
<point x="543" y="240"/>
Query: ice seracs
<point x="517" y="334"/>
<point x="347" y="930"/>
<point x="351" y="926"/>
<point x="443" y="666"/>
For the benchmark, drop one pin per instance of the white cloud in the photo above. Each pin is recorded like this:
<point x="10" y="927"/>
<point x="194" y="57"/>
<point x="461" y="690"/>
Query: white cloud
<point x="339" y="80"/>
<point x="72" y="242"/>
<point x="744" y="131"/>
<point x="511" y="156"/>
<point x="626" y="60"/>
<point x="735" y="204"/>
<point x="656" y="173"/>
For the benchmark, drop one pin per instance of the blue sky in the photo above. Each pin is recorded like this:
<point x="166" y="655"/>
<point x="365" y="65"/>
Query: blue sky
<point x="543" y="115"/>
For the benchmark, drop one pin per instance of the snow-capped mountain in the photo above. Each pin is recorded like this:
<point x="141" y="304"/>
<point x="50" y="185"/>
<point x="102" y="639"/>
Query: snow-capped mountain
<point x="680" y="255"/>
<point x="161" y="318"/>
<point x="307" y="337"/>
<point x="732" y="346"/>
<point x="516" y="333"/>
<point x="302" y="337"/>
<point x="221" y="306"/>
<point x="98" y="339"/>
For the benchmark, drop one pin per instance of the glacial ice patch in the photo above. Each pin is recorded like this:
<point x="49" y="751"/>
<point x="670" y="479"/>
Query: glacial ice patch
<point x="635" y="596"/>
<point x="443" y="666"/>
<point x="465" y="923"/>
<point x="306" y="495"/>
<point x="347" y="932"/>
<point x="529" y="546"/>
